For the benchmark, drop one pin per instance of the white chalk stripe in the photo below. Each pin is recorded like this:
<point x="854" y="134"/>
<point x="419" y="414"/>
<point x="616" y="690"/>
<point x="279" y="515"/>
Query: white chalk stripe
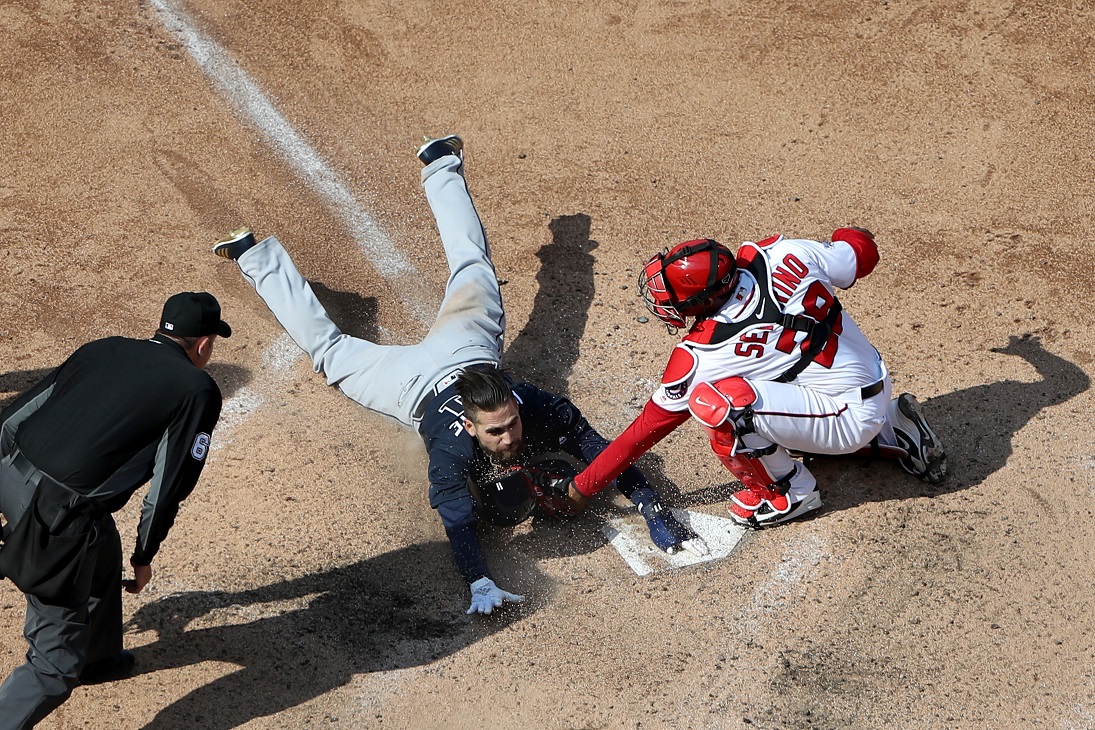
<point x="248" y="98"/>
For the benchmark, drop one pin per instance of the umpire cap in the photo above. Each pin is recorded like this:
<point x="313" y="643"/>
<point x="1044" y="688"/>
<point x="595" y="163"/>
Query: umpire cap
<point x="193" y="314"/>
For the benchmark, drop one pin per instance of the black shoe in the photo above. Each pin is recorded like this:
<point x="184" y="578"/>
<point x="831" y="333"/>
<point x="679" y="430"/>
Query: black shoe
<point x="926" y="458"/>
<point x="235" y="244"/>
<point x="435" y="149"/>
<point x="114" y="667"/>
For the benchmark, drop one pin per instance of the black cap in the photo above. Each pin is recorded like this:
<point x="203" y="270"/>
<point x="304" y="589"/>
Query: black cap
<point x="193" y="314"/>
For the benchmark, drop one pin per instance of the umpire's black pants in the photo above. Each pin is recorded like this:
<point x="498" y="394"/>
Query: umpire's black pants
<point x="61" y="639"/>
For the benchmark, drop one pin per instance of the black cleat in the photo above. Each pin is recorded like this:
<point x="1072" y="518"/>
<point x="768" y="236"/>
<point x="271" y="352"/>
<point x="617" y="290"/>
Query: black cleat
<point x="435" y="149"/>
<point x="114" y="667"/>
<point x="235" y="244"/>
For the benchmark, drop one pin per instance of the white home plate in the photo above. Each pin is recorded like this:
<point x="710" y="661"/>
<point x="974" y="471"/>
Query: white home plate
<point x="632" y="540"/>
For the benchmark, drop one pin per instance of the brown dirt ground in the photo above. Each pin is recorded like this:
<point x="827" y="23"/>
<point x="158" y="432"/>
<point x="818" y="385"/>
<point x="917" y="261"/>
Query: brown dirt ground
<point x="307" y="582"/>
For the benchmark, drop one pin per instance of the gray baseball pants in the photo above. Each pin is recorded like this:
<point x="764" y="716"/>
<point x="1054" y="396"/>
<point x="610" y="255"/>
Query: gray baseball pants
<point x="61" y="639"/>
<point x="394" y="379"/>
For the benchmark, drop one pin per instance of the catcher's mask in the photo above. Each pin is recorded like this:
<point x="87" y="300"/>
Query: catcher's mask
<point x="507" y="500"/>
<point x="683" y="281"/>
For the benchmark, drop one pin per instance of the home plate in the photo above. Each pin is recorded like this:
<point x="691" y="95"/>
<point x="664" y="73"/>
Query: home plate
<point x="631" y="539"/>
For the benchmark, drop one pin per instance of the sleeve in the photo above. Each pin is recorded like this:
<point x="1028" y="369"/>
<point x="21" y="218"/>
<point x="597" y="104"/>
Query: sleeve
<point x="180" y="458"/>
<point x="21" y="409"/>
<point x="458" y="516"/>
<point x="449" y="494"/>
<point x="864" y="249"/>
<point x="652" y="425"/>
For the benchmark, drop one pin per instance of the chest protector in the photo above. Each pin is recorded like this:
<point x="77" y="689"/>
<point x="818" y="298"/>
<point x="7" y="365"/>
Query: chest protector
<point x="710" y="331"/>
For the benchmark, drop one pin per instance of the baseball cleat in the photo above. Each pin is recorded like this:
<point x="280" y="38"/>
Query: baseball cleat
<point x="435" y="149"/>
<point x="235" y="244"/>
<point x="926" y="458"/>
<point x="765" y="515"/>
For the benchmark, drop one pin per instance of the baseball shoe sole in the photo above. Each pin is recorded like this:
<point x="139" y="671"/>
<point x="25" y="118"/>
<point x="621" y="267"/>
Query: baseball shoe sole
<point x="235" y="244"/>
<point x="435" y="149"/>
<point x="926" y="458"/>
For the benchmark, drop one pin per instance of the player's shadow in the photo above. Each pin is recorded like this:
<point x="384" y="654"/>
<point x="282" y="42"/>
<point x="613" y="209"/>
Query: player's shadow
<point x="975" y="424"/>
<point x="230" y="377"/>
<point x="547" y="348"/>
<point x="299" y="639"/>
<point x="354" y="314"/>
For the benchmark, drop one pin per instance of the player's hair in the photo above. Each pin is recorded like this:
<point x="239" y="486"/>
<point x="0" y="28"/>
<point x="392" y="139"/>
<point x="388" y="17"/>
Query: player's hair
<point x="483" y="388"/>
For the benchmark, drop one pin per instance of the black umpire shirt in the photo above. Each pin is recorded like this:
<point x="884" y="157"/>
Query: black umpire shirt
<point x="117" y="414"/>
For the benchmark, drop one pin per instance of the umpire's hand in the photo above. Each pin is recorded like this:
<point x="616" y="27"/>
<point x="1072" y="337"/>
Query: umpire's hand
<point x="486" y="596"/>
<point x="141" y="575"/>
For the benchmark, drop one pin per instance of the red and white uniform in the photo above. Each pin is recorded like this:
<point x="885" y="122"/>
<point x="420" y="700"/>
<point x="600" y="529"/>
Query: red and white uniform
<point x="821" y="411"/>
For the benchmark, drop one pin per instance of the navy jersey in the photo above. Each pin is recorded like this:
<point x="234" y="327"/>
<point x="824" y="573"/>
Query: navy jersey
<point x="551" y="424"/>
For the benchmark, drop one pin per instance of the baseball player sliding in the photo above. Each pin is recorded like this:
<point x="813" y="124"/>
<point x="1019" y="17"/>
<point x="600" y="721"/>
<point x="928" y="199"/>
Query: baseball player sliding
<point x="482" y="431"/>
<point x="771" y="364"/>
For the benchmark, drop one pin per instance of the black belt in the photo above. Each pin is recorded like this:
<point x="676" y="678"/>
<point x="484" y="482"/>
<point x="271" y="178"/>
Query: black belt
<point x="873" y="389"/>
<point x="29" y="471"/>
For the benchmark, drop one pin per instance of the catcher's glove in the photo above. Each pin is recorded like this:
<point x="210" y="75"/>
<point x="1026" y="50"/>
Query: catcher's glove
<point x="506" y="501"/>
<point x="551" y="492"/>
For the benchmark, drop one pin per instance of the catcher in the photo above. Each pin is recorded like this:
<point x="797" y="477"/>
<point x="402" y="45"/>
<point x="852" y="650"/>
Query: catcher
<point x="772" y="364"/>
<point x="477" y="424"/>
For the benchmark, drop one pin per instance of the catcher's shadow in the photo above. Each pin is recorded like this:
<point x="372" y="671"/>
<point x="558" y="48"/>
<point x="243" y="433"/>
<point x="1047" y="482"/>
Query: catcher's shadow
<point x="546" y="349"/>
<point x="976" y="426"/>
<point x="296" y="640"/>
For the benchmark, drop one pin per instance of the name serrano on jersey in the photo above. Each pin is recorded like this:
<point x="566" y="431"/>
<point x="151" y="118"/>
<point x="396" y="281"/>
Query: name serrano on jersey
<point x="769" y="325"/>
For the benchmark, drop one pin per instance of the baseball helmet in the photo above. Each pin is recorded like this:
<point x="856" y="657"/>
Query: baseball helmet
<point x="507" y="500"/>
<point x="682" y="282"/>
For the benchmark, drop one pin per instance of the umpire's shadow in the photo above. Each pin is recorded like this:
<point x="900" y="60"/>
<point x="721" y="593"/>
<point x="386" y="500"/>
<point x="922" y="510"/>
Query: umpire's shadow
<point x="296" y="640"/>
<point x="976" y="426"/>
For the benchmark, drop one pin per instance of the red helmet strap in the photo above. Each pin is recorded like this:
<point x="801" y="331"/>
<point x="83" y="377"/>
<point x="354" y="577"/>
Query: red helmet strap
<point x="706" y="246"/>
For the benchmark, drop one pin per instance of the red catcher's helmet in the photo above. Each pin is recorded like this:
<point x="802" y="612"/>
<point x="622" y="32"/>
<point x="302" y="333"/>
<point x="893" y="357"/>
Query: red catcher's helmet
<point x="681" y="282"/>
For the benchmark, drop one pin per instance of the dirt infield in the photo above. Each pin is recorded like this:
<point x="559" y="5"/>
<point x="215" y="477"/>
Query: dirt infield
<point x="307" y="582"/>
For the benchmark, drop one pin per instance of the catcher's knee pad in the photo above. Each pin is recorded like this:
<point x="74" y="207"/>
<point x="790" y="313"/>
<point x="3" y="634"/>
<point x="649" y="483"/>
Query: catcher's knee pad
<point x="724" y="411"/>
<point x="712" y="404"/>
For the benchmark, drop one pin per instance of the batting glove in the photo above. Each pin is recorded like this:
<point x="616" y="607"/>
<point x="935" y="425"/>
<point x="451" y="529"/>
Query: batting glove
<point x="669" y="534"/>
<point x="486" y="596"/>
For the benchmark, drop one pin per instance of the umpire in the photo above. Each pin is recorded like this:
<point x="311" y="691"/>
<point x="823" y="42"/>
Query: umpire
<point x="118" y="413"/>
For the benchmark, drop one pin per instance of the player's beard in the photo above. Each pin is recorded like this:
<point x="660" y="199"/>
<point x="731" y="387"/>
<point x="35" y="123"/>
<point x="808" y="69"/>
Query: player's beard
<point x="512" y="457"/>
